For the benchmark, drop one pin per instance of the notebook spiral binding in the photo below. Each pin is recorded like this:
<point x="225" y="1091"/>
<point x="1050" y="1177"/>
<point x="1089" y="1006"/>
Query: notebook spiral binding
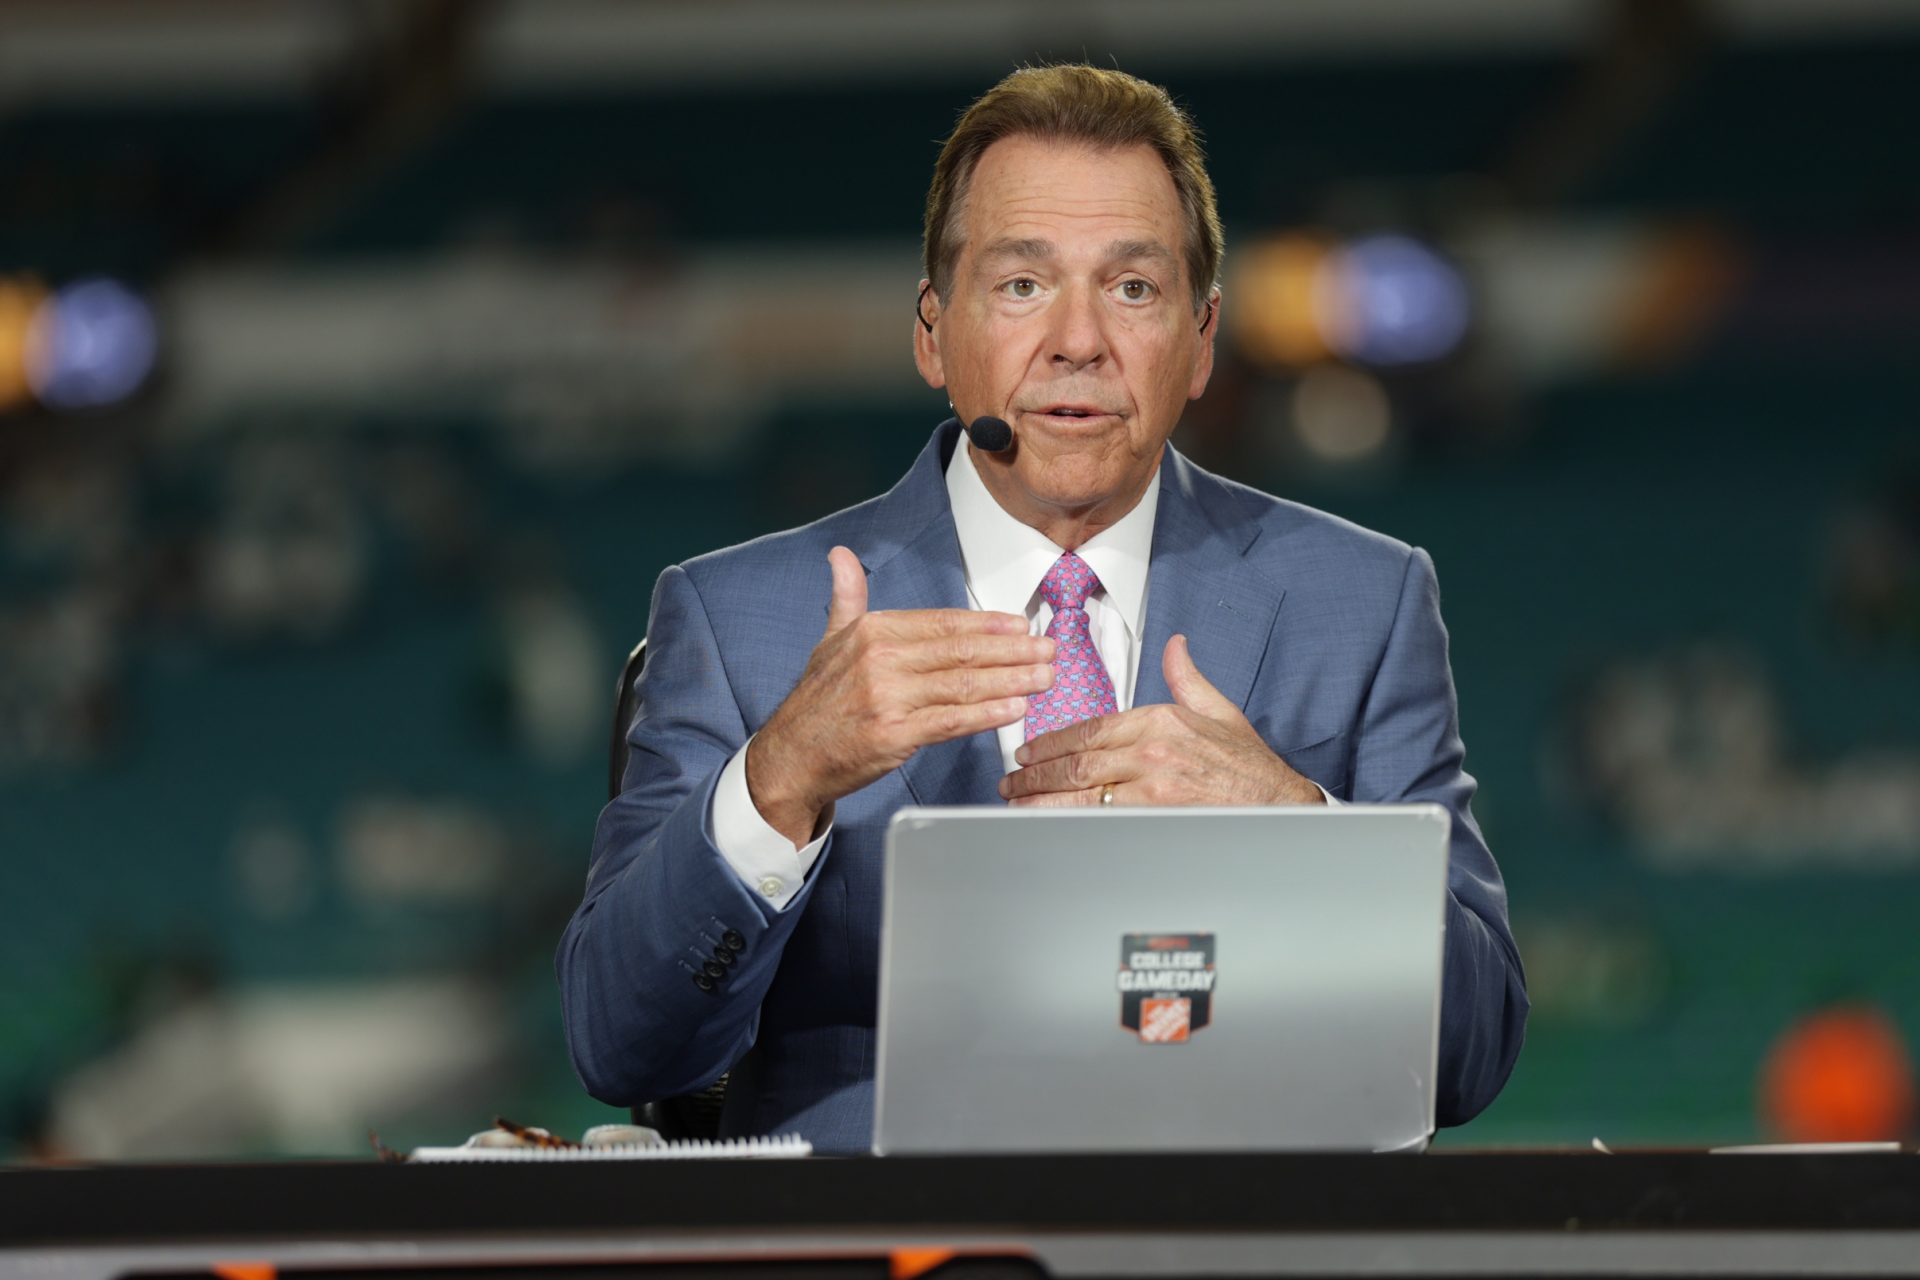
<point x="785" y="1146"/>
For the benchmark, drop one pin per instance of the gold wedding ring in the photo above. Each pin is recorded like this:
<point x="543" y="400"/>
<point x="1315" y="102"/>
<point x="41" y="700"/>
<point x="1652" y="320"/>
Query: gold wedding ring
<point x="1106" y="795"/>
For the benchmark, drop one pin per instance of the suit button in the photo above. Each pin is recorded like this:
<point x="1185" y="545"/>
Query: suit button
<point x="725" y="956"/>
<point x="732" y="940"/>
<point x="703" y="982"/>
<point x="713" y="970"/>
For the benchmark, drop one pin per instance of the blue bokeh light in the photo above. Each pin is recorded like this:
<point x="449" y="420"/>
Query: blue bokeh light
<point x="93" y="344"/>
<point x="1401" y="302"/>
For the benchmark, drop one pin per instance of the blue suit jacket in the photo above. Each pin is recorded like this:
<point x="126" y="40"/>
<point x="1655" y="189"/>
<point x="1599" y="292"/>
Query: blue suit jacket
<point x="1329" y="637"/>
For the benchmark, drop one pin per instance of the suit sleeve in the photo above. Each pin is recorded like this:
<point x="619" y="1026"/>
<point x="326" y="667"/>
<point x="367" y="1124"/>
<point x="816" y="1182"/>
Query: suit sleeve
<point x="645" y="1015"/>
<point x="1409" y="751"/>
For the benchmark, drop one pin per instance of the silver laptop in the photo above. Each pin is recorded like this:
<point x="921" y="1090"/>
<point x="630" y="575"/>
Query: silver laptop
<point x="1160" y="979"/>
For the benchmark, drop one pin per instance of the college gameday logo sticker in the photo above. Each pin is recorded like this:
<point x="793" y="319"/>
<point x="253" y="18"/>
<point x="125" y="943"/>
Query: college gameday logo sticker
<point x="1166" y="985"/>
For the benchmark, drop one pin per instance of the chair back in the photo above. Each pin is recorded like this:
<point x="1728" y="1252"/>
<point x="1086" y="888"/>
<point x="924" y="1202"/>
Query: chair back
<point x="623" y="703"/>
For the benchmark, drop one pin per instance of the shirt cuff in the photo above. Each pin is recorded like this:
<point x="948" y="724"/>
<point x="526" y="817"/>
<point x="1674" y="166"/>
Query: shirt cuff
<point x="766" y="861"/>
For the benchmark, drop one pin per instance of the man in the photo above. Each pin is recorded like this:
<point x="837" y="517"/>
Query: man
<point x="1083" y="618"/>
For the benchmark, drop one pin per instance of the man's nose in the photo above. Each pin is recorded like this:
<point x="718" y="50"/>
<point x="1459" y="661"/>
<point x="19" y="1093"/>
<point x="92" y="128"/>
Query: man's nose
<point x="1076" y="337"/>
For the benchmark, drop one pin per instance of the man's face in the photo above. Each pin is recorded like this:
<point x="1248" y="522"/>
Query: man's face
<point x="1070" y="316"/>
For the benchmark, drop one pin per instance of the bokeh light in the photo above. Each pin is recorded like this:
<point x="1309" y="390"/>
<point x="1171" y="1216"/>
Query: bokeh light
<point x="1382" y="300"/>
<point x="91" y="344"/>
<point x="19" y="301"/>
<point x="1275" y="313"/>
<point x="1839" y="1075"/>
<point x="1390" y="300"/>
<point x="1341" y="414"/>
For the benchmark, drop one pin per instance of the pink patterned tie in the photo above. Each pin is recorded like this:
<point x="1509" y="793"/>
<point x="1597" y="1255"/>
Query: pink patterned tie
<point x="1082" y="688"/>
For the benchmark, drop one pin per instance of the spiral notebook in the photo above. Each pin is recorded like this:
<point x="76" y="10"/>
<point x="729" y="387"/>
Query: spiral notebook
<point x="694" y="1149"/>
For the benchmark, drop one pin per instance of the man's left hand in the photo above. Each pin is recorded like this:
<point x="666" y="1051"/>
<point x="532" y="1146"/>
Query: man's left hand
<point x="1198" y="749"/>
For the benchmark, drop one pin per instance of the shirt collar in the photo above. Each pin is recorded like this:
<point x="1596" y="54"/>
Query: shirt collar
<point x="1004" y="560"/>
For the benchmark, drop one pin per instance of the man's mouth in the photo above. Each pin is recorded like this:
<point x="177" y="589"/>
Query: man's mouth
<point x="1070" y="412"/>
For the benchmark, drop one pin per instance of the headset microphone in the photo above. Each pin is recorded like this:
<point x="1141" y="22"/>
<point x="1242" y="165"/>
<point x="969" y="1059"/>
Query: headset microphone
<point x="990" y="435"/>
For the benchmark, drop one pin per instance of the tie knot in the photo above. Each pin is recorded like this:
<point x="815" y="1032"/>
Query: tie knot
<point x="1069" y="583"/>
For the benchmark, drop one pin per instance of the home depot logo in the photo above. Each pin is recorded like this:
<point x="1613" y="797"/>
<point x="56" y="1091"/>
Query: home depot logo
<point x="1166" y="985"/>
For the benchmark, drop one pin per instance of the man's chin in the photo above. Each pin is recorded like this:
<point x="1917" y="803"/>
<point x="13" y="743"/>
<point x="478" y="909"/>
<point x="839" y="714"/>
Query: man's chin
<point x="1065" y="446"/>
<point x="1061" y="490"/>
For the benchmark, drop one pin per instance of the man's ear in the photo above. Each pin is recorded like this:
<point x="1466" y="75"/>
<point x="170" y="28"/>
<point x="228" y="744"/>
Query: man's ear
<point x="926" y="337"/>
<point x="1203" y="361"/>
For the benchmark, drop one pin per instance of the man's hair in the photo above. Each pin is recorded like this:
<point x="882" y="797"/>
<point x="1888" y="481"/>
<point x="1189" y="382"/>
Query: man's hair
<point x="1075" y="103"/>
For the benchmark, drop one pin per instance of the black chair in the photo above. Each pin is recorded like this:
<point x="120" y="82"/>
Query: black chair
<point x="623" y="701"/>
<point x="693" y="1115"/>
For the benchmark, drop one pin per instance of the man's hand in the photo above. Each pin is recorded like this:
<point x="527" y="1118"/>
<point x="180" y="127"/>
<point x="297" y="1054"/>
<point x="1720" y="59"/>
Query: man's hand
<point x="880" y="686"/>
<point x="1198" y="749"/>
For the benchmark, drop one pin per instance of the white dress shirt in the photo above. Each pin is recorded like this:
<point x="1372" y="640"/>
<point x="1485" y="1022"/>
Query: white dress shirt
<point x="1003" y="561"/>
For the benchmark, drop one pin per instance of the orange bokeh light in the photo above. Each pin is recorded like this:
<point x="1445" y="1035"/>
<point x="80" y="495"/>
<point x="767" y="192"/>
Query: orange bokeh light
<point x="19" y="300"/>
<point x="1276" y="301"/>
<point x="1839" y="1075"/>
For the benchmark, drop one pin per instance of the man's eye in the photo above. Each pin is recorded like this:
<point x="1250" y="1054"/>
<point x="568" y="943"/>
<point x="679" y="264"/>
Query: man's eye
<point x="1021" y="288"/>
<point x="1136" y="290"/>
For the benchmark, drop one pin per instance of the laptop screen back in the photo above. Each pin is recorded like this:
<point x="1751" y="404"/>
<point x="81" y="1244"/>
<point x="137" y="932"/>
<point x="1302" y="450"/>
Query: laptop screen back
<point x="1160" y="979"/>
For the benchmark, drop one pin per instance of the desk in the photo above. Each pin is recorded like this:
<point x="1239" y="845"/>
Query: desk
<point x="1531" y="1214"/>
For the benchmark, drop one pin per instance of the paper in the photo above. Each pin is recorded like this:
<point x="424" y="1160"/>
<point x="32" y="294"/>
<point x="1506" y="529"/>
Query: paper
<point x="1809" y="1149"/>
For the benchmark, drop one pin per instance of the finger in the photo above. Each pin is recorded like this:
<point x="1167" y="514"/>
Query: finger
<point x="932" y="624"/>
<point x="1087" y="735"/>
<point x="943" y="653"/>
<point x="849" y="589"/>
<point x="1063" y="799"/>
<point x="941" y="724"/>
<point x="1190" y="689"/>
<point x="965" y="685"/>
<point x="1071" y="773"/>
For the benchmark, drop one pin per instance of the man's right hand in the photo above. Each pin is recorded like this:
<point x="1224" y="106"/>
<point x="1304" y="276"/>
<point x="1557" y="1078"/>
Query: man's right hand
<point x="880" y="686"/>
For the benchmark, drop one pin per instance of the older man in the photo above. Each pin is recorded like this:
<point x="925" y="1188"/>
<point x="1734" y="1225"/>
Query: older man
<point x="1082" y="617"/>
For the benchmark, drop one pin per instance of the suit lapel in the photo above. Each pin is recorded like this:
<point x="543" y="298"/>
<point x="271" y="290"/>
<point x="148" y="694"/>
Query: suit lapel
<point x="912" y="557"/>
<point x="1199" y="584"/>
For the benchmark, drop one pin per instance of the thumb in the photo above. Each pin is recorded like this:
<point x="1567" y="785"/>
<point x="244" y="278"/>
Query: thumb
<point x="849" y="589"/>
<point x="1191" y="689"/>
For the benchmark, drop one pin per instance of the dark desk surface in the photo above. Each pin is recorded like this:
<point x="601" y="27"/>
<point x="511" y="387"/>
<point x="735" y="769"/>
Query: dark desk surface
<point x="1682" y="1200"/>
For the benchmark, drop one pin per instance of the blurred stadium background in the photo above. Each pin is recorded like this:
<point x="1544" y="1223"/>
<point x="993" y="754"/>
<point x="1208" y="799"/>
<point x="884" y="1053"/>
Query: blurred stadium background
<point x="362" y="364"/>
